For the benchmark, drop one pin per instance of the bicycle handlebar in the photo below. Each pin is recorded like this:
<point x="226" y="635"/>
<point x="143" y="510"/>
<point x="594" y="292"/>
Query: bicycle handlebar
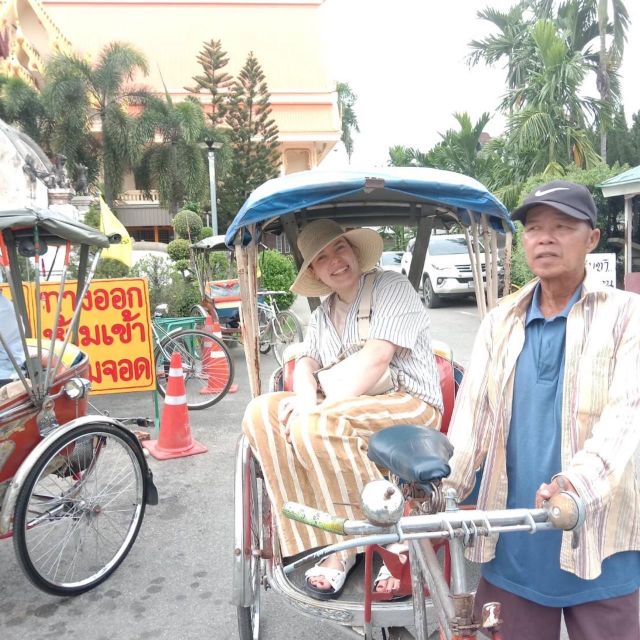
<point x="564" y="511"/>
<point x="272" y="293"/>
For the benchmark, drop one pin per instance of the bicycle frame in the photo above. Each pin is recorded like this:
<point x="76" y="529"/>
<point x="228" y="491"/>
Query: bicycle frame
<point x="453" y="605"/>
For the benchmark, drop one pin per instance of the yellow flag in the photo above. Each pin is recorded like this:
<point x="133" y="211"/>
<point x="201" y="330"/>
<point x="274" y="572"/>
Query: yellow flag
<point x="110" y="225"/>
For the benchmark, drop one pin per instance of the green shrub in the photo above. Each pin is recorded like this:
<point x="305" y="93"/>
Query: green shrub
<point x="277" y="274"/>
<point x="157" y="271"/>
<point x="520" y="272"/>
<point x="181" y="266"/>
<point x="183" y="294"/>
<point x="221" y="267"/>
<point x="187" y="225"/>
<point x="92" y="216"/>
<point x="110" y="268"/>
<point x="206" y="232"/>
<point x="178" y="249"/>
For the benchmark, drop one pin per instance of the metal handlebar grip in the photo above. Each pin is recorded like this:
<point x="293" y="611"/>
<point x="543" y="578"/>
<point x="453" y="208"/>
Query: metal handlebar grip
<point x="313" y="517"/>
<point x="566" y="511"/>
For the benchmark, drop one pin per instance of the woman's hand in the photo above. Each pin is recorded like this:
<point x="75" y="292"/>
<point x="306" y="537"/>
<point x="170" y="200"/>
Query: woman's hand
<point x="295" y="405"/>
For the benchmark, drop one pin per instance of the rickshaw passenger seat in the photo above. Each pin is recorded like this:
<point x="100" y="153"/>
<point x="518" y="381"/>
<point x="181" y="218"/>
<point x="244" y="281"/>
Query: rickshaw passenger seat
<point x="71" y="356"/>
<point x="12" y="390"/>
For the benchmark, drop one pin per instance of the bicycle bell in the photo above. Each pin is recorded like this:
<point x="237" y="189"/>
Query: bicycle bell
<point x="382" y="503"/>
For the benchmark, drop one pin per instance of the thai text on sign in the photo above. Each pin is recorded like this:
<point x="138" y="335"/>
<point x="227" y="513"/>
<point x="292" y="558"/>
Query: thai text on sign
<point x="115" y="331"/>
<point x="603" y="267"/>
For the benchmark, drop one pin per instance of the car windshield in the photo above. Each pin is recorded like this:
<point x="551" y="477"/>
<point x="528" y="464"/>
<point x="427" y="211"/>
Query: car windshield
<point x="447" y="246"/>
<point x="389" y="259"/>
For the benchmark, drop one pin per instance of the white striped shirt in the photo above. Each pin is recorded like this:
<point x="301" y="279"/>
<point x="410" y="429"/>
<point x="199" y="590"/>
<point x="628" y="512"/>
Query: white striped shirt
<point x="397" y="316"/>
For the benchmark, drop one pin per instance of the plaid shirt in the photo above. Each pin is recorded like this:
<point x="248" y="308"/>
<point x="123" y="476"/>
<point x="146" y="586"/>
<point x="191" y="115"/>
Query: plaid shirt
<point x="600" y="419"/>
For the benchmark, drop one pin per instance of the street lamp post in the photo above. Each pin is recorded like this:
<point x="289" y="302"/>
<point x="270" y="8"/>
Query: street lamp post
<point x="211" y="147"/>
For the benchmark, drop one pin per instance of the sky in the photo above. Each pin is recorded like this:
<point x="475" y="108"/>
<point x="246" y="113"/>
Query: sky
<point x="406" y="62"/>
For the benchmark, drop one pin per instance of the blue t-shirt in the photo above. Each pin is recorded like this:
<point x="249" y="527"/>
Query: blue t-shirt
<point x="528" y="565"/>
<point x="11" y="334"/>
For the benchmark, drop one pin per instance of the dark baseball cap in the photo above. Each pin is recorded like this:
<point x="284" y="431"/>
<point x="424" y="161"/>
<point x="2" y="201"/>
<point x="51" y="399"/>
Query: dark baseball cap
<point x="567" y="197"/>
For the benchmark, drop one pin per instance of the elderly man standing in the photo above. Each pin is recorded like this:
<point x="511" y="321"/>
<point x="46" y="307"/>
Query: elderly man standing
<point x="550" y="402"/>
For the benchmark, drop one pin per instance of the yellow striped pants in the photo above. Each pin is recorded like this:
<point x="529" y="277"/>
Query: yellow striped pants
<point x="326" y="465"/>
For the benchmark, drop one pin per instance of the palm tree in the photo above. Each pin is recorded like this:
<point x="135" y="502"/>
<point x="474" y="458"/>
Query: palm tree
<point x="610" y="59"/>
<point x="175" y="165"/>
<point x="552" y="119"/>
<point x="22" y="105"/>
<point x="400" y="156"/>
<point x="348" y="117"/>
<point x="460" y="150"/>
<point x="78" y="93"/>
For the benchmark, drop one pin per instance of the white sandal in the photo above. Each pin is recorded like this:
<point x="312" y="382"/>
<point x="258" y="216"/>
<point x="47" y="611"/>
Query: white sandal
<point x="335" y="577"/>
<point x="385" y="574"/>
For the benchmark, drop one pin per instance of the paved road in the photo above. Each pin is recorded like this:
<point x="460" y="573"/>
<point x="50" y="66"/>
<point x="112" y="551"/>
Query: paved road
<point x="175" y="583"/>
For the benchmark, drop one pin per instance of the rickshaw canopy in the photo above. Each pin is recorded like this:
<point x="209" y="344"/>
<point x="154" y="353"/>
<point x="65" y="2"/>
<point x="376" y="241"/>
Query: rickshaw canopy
<point x="378" y="197"/>
<point x="212" y="243"/>
<point x="52" y="225"/>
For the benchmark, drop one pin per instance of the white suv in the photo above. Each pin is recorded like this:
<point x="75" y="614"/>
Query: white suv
<point x="447" y="268"/>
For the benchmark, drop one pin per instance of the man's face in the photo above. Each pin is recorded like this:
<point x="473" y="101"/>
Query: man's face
<point x="556" y="244"/>
<point x="337" y="266"/>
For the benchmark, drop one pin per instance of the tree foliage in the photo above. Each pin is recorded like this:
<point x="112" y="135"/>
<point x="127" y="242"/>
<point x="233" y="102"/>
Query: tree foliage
<point x="178" y="249"/>
<point x="253" y="137"/>
<point x="214" y="79"/>
<point x="175" y="165"/>
<point x="188" y="225"/>
<point x="78" y="92"/>
<point x="348" y="118"/>
<point x="278" y="274"/>
<point x="21" y="105"/>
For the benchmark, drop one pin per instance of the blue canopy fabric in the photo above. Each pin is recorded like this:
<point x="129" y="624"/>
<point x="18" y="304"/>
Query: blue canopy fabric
<point x="461" y="194"/>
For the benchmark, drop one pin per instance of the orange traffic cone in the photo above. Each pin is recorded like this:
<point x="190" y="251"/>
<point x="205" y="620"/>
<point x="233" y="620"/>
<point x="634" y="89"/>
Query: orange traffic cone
<point x="175" y="440"/>
<point x="214" y="362"/>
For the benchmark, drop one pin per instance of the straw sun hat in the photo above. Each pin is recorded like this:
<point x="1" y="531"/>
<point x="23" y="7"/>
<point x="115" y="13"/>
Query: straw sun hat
<point x="366" y="243"/>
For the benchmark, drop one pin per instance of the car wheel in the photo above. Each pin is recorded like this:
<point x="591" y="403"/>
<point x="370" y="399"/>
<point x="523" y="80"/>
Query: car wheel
<point x="431" y="299"/>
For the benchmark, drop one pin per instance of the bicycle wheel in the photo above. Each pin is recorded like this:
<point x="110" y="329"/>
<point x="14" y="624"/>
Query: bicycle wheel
<point x="286" y="330"/>
<point x="266" y="330"/>
<point x="77" y="516"/>
<point x="198" y="311"/>
<point x="206" y="365"/>
<point x="248" y="536"/>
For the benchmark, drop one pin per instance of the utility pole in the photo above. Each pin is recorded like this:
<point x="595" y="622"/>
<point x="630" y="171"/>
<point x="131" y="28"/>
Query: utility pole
<point x="211" y="147"/>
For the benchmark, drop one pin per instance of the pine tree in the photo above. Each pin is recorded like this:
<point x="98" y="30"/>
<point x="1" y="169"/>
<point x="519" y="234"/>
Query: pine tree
<point x="253" y="136"/>
<point x="213" y="59"/>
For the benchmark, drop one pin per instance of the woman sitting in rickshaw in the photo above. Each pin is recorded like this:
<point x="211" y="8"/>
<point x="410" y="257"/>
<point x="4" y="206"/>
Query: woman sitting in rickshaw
<point x="366" y="364"/>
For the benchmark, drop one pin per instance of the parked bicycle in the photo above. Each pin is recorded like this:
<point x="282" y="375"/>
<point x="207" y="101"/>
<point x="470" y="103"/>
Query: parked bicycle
<point x="278" y="328"/>
<point x="207" y="365"/>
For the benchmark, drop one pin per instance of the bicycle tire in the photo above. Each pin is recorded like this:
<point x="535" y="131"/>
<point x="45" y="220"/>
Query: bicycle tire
<point x="68" y="501"/>
<point x="249" y="502"/>
<point x="206" y="363"/>
<point x="286" y="329"/>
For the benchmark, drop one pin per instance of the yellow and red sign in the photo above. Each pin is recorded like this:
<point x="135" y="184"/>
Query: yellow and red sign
<point x="115" y="330"/>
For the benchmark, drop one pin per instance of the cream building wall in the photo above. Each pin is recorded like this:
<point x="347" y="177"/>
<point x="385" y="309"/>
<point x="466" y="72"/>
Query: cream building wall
<point x="285" y="36"/>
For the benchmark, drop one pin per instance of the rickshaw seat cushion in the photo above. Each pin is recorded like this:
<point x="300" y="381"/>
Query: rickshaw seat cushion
<point x="12" y="390"/>
<point x="71" y="355"/>
<point x="413" y="453"/>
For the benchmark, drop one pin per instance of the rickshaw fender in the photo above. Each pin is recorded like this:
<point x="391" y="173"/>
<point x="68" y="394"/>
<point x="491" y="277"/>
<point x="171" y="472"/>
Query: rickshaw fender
<point x="11" y="495"/>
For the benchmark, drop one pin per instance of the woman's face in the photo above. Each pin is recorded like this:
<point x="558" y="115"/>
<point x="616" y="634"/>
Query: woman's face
<point x="337" y="266"/>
